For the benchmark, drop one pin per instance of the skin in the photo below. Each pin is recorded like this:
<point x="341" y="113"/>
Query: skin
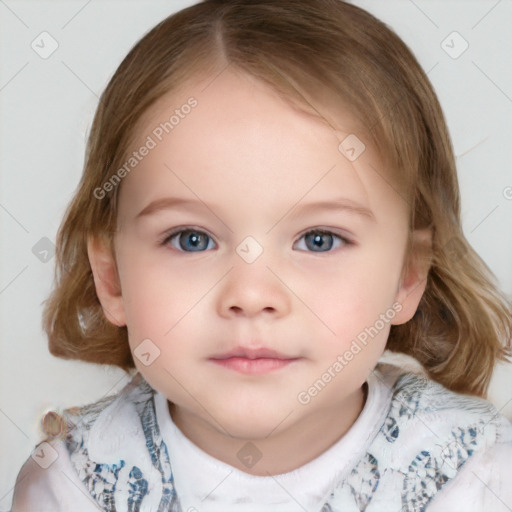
<point x="255" y="160"/>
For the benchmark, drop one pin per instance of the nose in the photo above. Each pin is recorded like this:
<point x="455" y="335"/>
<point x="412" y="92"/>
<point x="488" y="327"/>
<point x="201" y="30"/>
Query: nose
<point x="251" y="290"/>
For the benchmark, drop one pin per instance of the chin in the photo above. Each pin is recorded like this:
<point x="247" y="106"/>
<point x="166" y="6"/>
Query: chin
<point x="253" y="424"/>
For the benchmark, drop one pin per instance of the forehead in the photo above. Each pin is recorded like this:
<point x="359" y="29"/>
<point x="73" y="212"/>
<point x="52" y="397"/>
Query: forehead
<point x="232" y="136"/>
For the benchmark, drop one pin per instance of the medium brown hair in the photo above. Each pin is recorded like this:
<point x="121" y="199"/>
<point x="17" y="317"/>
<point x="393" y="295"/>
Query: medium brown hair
<point x="315" y="48"/>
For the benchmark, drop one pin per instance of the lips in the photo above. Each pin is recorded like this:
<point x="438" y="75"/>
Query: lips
<point x="249" y="353"/>
<point x="254" y="362"/>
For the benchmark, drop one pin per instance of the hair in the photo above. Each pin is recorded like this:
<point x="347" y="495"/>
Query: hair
<point x="316" y="48"/>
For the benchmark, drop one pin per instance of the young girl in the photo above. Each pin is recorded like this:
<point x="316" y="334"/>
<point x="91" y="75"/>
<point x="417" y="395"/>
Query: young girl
<point x="269" y="202"/>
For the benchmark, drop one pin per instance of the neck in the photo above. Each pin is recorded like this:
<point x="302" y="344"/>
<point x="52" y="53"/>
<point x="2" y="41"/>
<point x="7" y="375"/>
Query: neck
<point x="285" y="449"/>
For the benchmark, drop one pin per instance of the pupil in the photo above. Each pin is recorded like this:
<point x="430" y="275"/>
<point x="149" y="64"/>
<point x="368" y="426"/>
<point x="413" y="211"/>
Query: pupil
<point x="195" y="239"/>
<point x="319" y="241"/>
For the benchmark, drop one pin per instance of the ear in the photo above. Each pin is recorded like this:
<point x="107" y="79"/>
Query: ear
<point x="106" y="279"/>
<point x="414" y="275"/>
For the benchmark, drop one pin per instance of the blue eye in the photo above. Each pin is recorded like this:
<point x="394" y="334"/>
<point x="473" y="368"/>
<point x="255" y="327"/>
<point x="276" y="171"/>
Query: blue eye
<point x="193" y="241"/>
<point x="323" y="240"/>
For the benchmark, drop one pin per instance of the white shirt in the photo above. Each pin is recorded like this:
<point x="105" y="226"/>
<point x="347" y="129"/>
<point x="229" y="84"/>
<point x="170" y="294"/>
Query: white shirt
<point x="367" y="469"/>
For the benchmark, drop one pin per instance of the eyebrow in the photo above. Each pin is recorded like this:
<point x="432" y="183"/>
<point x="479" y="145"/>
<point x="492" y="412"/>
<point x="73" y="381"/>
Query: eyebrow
<point x="336" y="205"/>
<point x="340" y="204"/>
<point x="167" y="203"/>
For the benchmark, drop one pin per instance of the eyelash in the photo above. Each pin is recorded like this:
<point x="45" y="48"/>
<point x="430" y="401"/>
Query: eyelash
<point x="176" y="231"/>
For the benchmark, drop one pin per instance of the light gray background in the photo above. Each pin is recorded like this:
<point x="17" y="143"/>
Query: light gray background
<point x="47" y="107"/>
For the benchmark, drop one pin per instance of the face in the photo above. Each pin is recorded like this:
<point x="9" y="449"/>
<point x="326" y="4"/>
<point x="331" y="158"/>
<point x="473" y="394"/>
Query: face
<point x="245" y="228"/>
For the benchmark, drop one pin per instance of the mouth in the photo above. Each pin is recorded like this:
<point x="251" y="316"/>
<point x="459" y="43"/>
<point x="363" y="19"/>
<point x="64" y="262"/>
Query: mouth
<point x="253" y="361"/>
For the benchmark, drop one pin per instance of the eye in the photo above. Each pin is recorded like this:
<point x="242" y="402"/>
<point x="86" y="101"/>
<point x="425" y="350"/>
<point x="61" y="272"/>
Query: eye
<point x="188" y="240"/>
<point x="323" y="240"/>
<point x="195" y="240"/>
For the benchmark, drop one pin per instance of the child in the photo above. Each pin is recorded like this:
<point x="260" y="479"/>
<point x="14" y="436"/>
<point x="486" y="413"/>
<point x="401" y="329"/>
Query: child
<point x="269" y="202"/>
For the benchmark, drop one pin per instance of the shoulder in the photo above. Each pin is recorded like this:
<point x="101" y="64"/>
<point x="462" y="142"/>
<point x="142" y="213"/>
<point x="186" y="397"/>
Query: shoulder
<point x="431" y="425"/>
<point x="431" y="443"/>
<point x="447" y="441"/>
<point x="104" y="442"/>
<point x="47" y="482"/>
<point x="483" y="483"/>
<point x="419" y="404"/>
<point x="103" y="427"/>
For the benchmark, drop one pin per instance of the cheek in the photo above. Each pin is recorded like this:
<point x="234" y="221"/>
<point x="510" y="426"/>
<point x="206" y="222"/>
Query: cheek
<point x="356" y="301"/>
<point x="165" y="305"/>
<point x="153" y="298"/>
<point x="360" y="284"/>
